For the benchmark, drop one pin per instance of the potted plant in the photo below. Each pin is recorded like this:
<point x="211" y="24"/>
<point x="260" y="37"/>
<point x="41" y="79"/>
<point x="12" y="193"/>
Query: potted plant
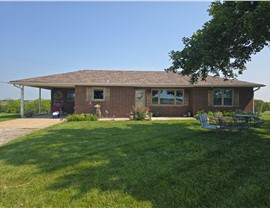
<point x="98" y="111"/>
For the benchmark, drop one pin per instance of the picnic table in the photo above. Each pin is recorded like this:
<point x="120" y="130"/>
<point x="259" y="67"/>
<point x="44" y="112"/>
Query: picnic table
<point x="251" y="120"/>
<point x="246" y="117"/>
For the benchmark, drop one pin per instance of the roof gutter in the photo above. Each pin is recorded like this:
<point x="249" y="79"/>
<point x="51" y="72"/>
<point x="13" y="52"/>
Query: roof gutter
<point x="72" y="85"/>
<point x="18" y="86"/>
<point x="257" y="89"/>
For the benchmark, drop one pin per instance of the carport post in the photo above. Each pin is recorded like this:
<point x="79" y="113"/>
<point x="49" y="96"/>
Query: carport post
<point x="21" y="87"/>
<point x="39" y="102"/>
<point x="22" y="101"/>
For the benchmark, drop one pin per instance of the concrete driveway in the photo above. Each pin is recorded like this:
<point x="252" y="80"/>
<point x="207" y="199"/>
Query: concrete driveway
<point x="12" y="129"/>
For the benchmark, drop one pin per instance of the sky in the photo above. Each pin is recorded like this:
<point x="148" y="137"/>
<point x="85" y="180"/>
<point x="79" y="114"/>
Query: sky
<point x="44" y="38"/>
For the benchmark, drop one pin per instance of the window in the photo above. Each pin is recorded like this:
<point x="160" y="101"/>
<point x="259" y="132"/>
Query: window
<point x="98" y="94"/>
<point x="167" y="97"/>
<point x="70" y="96"/>
<point x="223" y="97"/>
<point x="179" y="98"/>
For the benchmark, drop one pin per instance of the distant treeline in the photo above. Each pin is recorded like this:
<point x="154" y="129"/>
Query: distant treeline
<point x="13" y="106"/>
<point x="260" y="106"/>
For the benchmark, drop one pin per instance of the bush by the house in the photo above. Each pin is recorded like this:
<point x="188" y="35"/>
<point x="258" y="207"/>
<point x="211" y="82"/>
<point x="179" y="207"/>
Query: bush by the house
<point x="82" y="117"/>
<point x="141" y="113"/>
<point x="211" y="115"/>
<point x="198" y="113"/>
<point x="228" y="113"/>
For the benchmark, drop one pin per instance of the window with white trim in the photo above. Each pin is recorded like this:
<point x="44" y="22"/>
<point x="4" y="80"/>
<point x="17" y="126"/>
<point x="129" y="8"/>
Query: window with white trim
<point x="223" y="97"/>
<point x="167" y="97"/>
<point x="98" y="94"/>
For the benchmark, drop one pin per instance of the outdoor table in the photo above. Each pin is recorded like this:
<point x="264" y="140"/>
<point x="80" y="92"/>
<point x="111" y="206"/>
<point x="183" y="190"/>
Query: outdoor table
<point x="246" y="117"/>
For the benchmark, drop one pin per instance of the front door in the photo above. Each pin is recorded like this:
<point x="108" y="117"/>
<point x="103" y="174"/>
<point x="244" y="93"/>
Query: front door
<point x="139" y="98"/>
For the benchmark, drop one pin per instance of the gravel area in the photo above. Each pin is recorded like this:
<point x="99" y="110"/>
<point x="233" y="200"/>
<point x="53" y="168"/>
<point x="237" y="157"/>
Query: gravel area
<point x="8" y="134"/>
<point x="13" y="129"/>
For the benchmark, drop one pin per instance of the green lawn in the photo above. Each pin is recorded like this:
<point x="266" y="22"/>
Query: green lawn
<point x="8" y="116"/>
<point x="136" y="164"/>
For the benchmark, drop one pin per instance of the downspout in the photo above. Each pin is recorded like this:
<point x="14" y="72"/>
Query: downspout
<point x="253" y="98"/>
<point x="21" y="87"/>
<point x="257" y="89"/>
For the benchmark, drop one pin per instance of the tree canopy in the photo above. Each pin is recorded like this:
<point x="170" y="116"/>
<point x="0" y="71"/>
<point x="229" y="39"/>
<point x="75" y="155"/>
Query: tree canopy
<point x="225" y="43"/>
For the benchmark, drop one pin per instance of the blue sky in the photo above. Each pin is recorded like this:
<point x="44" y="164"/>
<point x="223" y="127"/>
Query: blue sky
<point x="43" y="38"/>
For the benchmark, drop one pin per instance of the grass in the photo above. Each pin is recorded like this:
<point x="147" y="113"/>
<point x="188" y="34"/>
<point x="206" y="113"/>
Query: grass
<point x="8" y="116"/>
<point x="136" y="164"/>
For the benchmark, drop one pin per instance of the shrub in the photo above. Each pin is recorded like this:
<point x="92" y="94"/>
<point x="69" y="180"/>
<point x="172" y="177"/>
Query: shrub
<point x="198" y="113"/>
<point x="82" y="117"/>
<point x="211" y="115"/>
<point x="141" y="113"/>
<point x="13" y="106"/>
<point x="93" y="117"/>
<point x="228" y="113"/>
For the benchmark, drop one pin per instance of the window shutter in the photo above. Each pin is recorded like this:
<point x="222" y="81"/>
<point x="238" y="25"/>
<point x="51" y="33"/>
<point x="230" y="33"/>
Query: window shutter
<point x="210" y="97"/>
<point x="89" y="93"/>
<point x="186" y="98"/>
<point x="107" y="93"/>
<point x="148" y="98"/>
<point x="236" y="98"/>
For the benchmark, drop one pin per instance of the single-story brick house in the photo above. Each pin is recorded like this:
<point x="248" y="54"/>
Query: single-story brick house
<point x="118" y="91"/>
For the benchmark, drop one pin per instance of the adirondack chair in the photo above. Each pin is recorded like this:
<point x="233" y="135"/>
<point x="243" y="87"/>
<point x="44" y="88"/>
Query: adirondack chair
<point x="204" y="120"/>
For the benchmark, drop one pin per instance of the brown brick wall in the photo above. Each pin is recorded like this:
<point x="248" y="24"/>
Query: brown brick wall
<point x="122" y="99"/>
<point x="246" y="99"/>
<point x="81" y="104"/>
<point x="119" y="103"/>
<point x="199" y="100"/>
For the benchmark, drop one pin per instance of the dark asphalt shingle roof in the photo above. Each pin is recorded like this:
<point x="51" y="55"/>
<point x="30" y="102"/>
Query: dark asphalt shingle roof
<point x="127" y="78"/>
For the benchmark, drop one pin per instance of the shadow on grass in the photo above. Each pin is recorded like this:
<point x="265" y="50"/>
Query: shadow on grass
<point x="170" y="164"/>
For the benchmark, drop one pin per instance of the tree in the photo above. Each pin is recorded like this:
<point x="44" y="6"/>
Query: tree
<point x="225" y="43"/>
<point x="258" y="106"/>
<point x="266" y="107"/>
<point x="2" y="108"/>
<point x="13" y="106"/>
<point x="33" y="106"/>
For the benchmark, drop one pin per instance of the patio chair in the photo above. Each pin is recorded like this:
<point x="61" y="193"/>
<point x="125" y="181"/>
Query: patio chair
<point x="204" y="120"/>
